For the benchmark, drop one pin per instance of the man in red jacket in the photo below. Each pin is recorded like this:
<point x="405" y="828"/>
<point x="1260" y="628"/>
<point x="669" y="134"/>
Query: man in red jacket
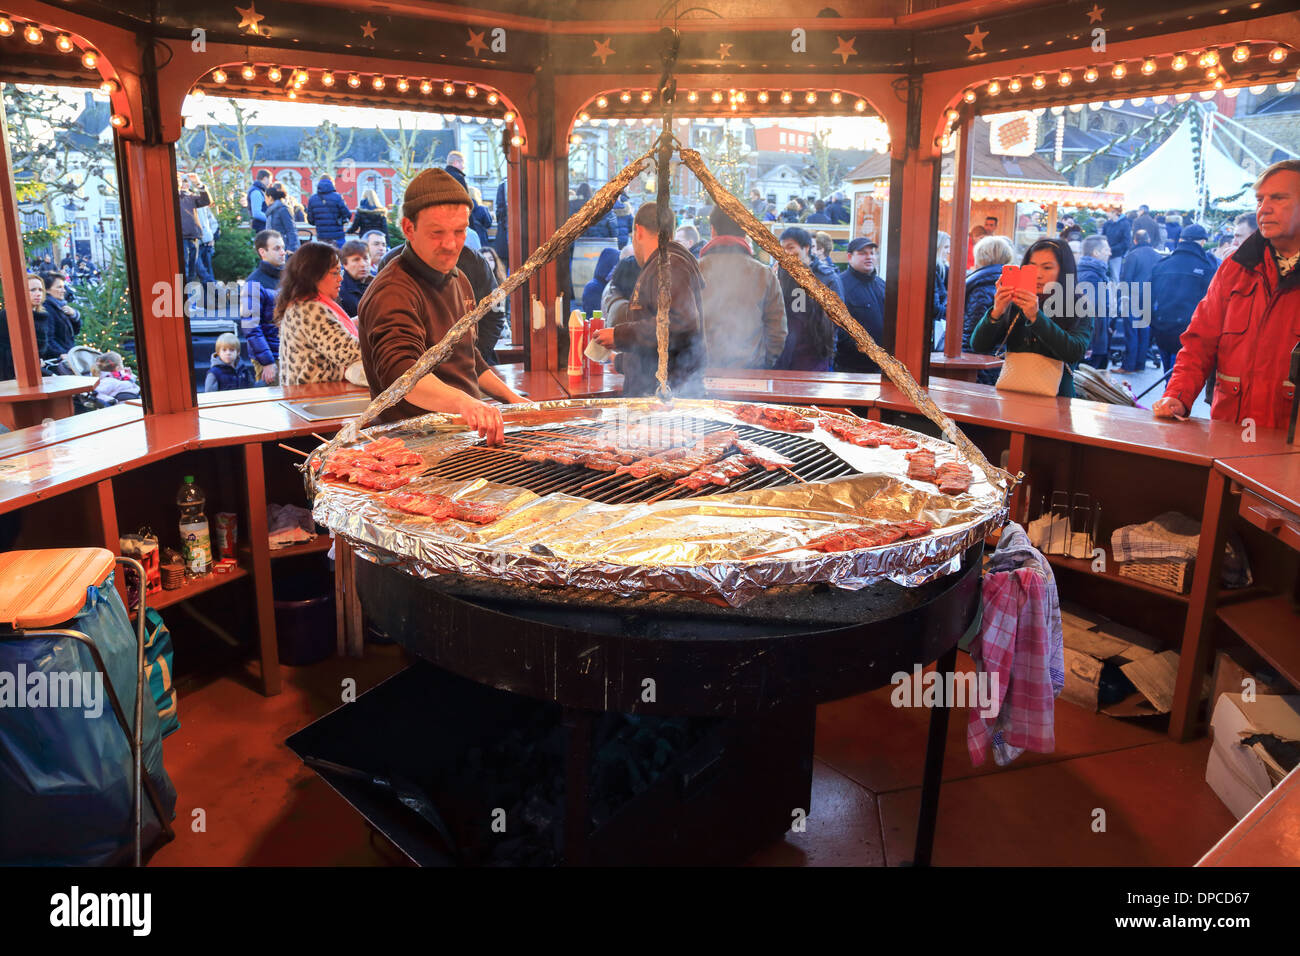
<point x="1249" y="320"/>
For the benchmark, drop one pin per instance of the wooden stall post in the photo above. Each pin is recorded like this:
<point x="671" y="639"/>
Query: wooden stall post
<point x="960" y="228"/>
<point x="1198" y="631"/>
<point x="22" y="327"/>
<point x="260" y="549"/>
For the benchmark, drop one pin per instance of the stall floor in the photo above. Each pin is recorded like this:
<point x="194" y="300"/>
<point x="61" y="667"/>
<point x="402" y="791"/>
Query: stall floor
<point x="1114" y="792"/>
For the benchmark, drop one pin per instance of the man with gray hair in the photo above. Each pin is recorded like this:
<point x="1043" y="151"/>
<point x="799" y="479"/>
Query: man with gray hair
<point x="1249" y="321"/>
<point x="1094" y="280"/>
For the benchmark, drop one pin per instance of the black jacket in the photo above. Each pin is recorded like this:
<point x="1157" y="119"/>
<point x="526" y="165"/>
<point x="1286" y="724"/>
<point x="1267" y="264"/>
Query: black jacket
<point x="1178" y="284"/>
<point x="351" y="291"/>
<point x="501" y="244"/>
<point x="864" y="296"/>
<point x="1118" y="234"/>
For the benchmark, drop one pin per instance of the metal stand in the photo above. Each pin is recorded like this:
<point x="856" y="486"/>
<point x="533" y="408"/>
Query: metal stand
<point x="135" y="740"/>
<point x="933" y="776"/>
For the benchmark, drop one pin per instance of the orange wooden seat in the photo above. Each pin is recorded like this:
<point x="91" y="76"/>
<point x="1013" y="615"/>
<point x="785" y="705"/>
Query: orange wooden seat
<point x="46" y="588"/>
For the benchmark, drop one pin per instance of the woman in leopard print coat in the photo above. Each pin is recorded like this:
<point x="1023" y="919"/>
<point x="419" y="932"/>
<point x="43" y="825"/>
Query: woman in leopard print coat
<point x="316" y="344"/>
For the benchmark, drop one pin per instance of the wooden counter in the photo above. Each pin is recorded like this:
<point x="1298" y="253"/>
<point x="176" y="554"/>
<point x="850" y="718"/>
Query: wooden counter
<point x="1269" y="835"/>
<point x="21" y="407"/>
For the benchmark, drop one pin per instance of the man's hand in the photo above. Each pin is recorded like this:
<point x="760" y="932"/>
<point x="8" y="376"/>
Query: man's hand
<point x="1169" y="407"/>
<point x="484" y="419"/>
<point x="268" y="374"/>
<point x="605" y="338"/>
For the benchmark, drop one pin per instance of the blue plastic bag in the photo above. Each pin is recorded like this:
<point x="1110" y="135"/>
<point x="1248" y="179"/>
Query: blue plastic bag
<point x="66" y="772"/>
<point x="158" y="671"/>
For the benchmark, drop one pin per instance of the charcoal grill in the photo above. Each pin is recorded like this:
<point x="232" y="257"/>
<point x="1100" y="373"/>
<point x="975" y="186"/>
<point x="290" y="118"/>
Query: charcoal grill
<point x="813" y="461"/>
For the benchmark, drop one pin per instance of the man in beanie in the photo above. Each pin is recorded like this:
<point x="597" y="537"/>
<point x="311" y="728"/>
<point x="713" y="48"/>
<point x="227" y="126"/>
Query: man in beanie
<point x="412" y="303"/>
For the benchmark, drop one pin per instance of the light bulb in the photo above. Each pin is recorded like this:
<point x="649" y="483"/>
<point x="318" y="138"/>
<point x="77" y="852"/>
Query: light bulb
<point x="1148" y="67"/>
<point x="327" y="78"/>
<point x="835" y="98"/>
<point x="740" y="96"/>
<point x="32" y="34"/>
<point x="516" y="140"/>
<point x="1211" y="57"/>
<point x="994" y="88"/>
<point x="811" y="97"/>
<point x="1119" y="71"/>
<point x="969" y="96"/>
<point x="1240" y="53"/>
<point x="198" y="93"/>
<point x="402" y="84"/>
<point x="601" y="102"/>
<point x="1039" y="81"/>
<point x="1179" y="63"/>
<point x="377" y="82"/>
<point x="248" y="72"/>
<point x="471" y="91"/>
<point x="786" y="97"/>
<point x="110" y="86"/>
<point x="90" y="59"/>
<point x="584" y="117"/>
<point x="1065" y="79"/>
<point x="63" y="43"/>
<point x="6" y="27"/>
<point x="1090" y="75"/>
<point x="449" y="88"/>
<point x="426" y="87"/>
<point x="625" y="97"/>
<point x="119" y="121"/>
<point x="1277" y="54"/>
<point x="353" y="80"/>
<point x="293" y="94"/>
<point x="693" y="97"/>
<point x="716" y="96"/>
<point x="218" y="76"/>
<point x="1015" y="85"/>
<point x="274" y="74"/>
<point x="493" y="99"/>
<point x="762" y="96"/>
<point x="860" y="106"/>
<point x="509" y="116"/>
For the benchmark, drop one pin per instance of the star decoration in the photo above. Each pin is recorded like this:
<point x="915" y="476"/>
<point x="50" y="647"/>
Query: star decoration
<point x="845" y="49"/>
<point x="368" y="30"/>
<point x="1094" y="15"/>
<point x="724" y="50"/>
<point x="249" y="17"/>
<point x="603" y="49"/>
<point x="476" y="43"/>
<point x="976" y="39"/>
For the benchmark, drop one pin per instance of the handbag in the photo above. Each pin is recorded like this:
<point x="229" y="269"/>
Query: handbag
<point x="1029" y="372"/>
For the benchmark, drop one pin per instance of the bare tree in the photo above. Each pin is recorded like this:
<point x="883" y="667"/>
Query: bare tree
<point x="403" y="153"/>
<point x="323" y="150"/>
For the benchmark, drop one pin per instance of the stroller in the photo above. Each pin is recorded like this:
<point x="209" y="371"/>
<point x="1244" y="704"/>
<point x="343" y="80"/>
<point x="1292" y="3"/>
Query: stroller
<point x="80" y="360"/>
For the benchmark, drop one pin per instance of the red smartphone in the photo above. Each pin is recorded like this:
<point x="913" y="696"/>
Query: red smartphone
<point x="1020" y="278"/>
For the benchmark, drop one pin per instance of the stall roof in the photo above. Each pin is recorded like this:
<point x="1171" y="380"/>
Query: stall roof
<point x="1167" y="178"/>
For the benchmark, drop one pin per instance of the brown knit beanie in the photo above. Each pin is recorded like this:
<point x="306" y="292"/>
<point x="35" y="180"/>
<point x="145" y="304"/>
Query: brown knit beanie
<point x="433" y="187"/>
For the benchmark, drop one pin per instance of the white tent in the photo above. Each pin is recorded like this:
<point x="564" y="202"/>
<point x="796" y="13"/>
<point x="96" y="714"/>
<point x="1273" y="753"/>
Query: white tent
<point x="1167" y="178"/>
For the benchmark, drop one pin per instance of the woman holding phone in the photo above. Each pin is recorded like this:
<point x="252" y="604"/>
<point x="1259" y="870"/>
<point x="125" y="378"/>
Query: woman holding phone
<point x="1045" y="321"/>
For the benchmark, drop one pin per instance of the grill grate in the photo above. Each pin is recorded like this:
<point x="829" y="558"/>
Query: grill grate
<point x="813" y="461"/>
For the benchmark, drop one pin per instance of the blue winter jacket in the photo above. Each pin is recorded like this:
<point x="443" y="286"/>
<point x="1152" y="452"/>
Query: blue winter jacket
<point x="981" y="287"/>
<point x="327" y="211"/>
<point x="225" y="378"/>
<point x="1096" y="274"/>
<point x="1178" y="284"/>
<point x="258" y="312"/>
<point x="864" y="296"/>
<point x="838" y="212"/>
<point x="594" y="289"/>
<point x="280" y="219"/>
<point x="257" y="207"/>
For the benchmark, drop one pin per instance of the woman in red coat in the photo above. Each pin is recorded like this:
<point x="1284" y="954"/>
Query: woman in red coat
<point x="1249" y="320"/>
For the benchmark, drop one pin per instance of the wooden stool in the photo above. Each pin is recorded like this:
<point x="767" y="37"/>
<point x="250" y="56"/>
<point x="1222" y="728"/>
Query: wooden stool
<point x="40" y="589"/>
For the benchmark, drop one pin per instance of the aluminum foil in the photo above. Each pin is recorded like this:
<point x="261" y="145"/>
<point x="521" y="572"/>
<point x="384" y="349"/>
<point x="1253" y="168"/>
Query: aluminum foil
<point x="710" y="546"/>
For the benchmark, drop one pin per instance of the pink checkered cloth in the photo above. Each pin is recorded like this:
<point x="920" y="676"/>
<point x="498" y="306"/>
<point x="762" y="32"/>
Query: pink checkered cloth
<point x="1020" y="640"/>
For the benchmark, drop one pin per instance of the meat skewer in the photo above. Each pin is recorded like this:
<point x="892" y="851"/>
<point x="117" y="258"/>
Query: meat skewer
<point x="863" y="536"/>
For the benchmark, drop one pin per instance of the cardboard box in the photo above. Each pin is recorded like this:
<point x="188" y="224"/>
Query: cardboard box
<point x="1242" y="774"/>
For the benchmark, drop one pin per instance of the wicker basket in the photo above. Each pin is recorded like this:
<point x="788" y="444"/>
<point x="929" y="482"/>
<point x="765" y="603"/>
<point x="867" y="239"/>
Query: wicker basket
<point x="1168" y="575"/>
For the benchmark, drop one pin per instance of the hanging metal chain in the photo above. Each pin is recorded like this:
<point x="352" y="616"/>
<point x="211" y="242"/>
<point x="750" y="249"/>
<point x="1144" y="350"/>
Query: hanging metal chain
<point x="663" y="201"/>
<point x="836" y="311"/>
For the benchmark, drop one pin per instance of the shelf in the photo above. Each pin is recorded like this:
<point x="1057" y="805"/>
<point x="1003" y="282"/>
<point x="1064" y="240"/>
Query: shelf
<point x="1084" y="566"/>
<point x="1271" y="625"/>
<point x="195" y="587"/>
<point x="316" y="545"/>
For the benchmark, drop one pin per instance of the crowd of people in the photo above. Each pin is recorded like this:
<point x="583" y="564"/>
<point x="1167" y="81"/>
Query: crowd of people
<point x="302" y="300"/>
